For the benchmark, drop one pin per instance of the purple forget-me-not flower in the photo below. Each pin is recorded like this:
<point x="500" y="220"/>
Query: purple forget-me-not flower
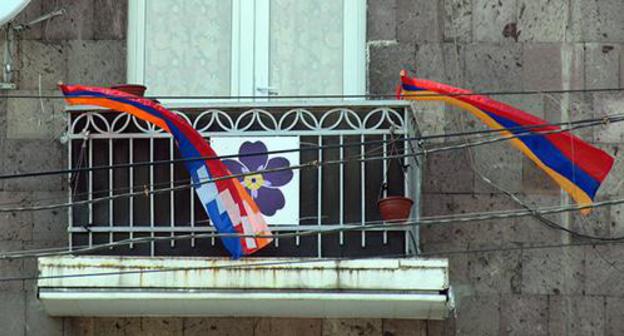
<point x="262" y="186"/>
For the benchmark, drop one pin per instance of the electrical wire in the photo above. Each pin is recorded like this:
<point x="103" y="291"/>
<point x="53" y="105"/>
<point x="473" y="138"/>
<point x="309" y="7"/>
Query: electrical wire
<point x="547" y="222"/>
<point x="613" y="118"/>
<point x="347" y="227"/>
<point x="392" y="95"/>
<point x="543" y="220"/>
<point x="520" y="247"/>
<point x="198" y="158"/>
<point x="304" y="261"/>
<point x="602" y="120"/>
<point x="353" y="226"/>
<point x="528" y="212"/>
<point x="374" y="150"/>
<point x="528" y="131"/>
<point x="438" y="220"/>
<point x="300" y="261"/>
<point x="595" y="121"/>
<point x="184" y="182"/>
<point x="310" y="164"/>
<point x="552" y="224"/>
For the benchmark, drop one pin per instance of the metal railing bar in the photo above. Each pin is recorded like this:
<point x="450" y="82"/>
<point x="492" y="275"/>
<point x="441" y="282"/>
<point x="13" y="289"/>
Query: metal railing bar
<point x="284" y="133"/>
<point x="200" y="229"/>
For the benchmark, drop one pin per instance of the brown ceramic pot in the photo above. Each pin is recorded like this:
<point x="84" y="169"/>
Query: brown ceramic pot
<point x="395" y="209"/>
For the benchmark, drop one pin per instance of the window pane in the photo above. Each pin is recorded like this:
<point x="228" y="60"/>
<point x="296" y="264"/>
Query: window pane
<point x="188" y="47"/>
<point x="306" y="41"/>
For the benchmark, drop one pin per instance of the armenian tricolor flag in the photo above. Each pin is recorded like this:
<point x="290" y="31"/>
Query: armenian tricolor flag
<point x="228" y="205"/>
<point x="578" y="167"/>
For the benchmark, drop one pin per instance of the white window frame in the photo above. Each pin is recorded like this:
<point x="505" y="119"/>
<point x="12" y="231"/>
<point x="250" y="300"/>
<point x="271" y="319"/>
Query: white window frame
<point x="250" y="33"/>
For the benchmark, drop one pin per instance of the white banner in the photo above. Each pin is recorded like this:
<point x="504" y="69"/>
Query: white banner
<point x="277" y="192"/>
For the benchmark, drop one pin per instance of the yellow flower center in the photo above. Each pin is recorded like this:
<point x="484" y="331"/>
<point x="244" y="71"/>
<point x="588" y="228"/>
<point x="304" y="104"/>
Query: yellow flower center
<point x="254" y="182"/>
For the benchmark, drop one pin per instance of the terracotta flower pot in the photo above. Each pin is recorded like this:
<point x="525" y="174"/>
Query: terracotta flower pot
<point x="395" y="209"/>
<point x="135" y="89"/>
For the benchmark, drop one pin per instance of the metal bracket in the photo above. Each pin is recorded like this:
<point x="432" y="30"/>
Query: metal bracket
<point x="7" y="66"/>
<point x="46" y="17"/>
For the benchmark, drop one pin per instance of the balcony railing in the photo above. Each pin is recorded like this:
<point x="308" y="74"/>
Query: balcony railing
<point x="330" y="196"/>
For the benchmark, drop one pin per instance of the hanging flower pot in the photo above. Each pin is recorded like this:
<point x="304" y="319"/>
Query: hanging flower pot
<point x="395" y="209"/>
<point x="135" y="89"/>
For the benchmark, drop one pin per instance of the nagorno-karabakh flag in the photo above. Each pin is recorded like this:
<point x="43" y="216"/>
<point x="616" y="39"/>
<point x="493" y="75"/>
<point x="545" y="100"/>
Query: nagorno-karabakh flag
<point x="229" y="206"/>
<point x="578" y="167"/>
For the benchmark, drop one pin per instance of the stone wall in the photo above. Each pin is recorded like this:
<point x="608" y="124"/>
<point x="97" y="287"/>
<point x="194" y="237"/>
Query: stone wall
<point x="77" y="47"/>
<point x="514" y="45"/>
<point x="483" y="45"/>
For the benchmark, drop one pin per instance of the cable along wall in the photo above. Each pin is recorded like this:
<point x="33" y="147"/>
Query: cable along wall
<point x="329" y="196"/>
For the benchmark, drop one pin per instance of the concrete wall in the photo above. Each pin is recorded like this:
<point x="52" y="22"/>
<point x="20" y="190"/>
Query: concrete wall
<point x="484" y="45"/>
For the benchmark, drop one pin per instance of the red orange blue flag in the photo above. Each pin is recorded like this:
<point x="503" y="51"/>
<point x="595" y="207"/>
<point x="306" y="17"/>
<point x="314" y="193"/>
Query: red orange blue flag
<point x="578" y="167"/>
<point x="230" y="208"/>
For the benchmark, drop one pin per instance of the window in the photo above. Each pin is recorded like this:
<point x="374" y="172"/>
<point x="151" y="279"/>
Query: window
<point x="247" y="47"/>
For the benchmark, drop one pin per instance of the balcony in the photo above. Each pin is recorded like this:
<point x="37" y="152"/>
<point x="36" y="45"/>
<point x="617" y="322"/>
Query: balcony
<point x="162" y="224"/>
<point x="330" y="197"/>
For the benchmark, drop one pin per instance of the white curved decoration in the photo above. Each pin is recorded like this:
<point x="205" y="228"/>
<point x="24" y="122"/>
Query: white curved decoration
<point x="10" y="8"/>
<point x="213" y="122"/>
